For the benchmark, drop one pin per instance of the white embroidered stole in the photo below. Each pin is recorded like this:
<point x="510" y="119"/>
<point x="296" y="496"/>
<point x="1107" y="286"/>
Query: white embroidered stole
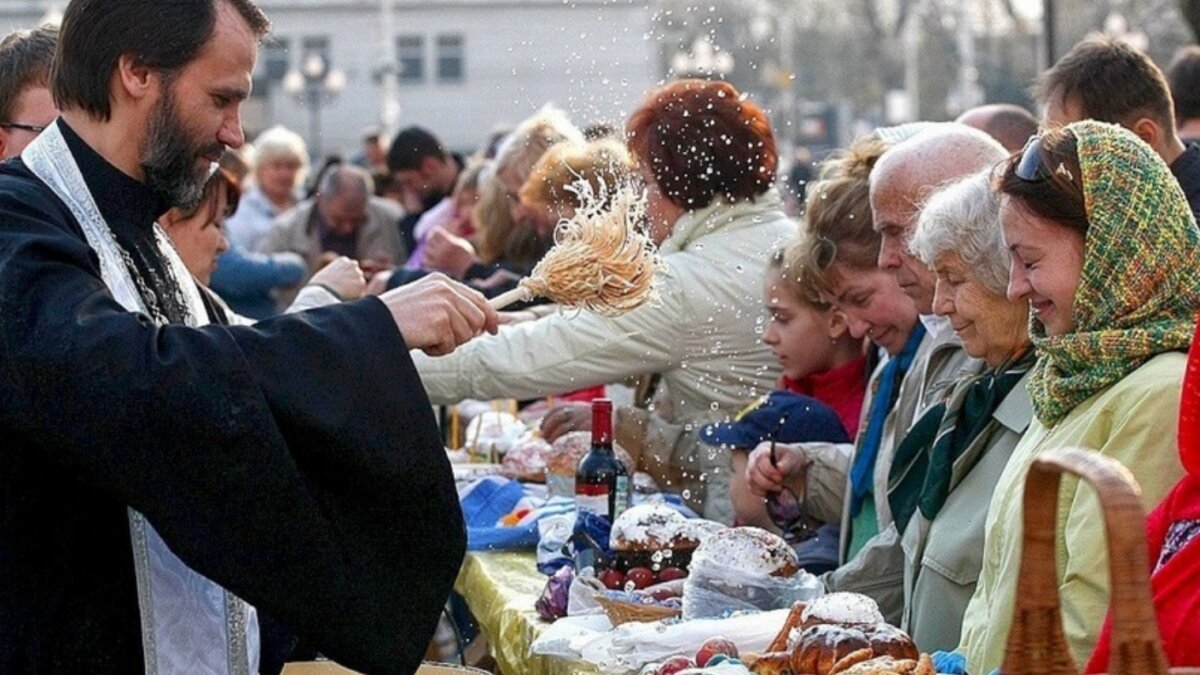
<point x="190" y="625"/>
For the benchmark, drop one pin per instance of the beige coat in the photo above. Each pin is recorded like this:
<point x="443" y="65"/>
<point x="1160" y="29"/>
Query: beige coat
<point x="702" y="337"/>
<point x="1134" y="422"/>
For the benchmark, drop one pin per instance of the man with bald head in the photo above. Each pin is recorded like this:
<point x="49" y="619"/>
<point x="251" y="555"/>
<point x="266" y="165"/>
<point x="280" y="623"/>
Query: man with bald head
<point x="1011" y="125"/>
<point x="908" y="173"/>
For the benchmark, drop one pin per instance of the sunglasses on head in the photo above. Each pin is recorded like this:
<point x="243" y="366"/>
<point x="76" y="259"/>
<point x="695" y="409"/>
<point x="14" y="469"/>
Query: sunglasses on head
<point x="1031" y="168"/>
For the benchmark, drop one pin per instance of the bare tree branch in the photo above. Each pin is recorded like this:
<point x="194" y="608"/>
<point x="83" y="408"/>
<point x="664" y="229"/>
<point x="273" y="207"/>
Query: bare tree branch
<point x="906" y="8"/>
<point x="871" y="14"/>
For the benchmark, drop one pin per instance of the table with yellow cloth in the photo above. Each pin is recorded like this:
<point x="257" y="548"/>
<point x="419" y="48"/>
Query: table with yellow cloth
<point x="500" y="589"/>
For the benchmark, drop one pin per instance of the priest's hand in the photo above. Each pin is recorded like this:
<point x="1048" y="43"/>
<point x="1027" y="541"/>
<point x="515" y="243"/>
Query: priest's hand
<point x="436" y="315"/>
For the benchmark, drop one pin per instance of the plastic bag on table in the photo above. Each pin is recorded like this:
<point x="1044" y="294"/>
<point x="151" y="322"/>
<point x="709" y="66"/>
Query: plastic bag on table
<point x="567" y="636"/>
<point x="714" y="589"/>
<point x="553" y="602"/>
<point x="631" y="646"/>
<point x="582" y="597"/>
<point x="553" y="534"/>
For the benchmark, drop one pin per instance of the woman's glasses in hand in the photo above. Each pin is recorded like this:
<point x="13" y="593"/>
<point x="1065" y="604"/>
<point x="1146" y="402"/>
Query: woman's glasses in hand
<point x="784" y="508"/>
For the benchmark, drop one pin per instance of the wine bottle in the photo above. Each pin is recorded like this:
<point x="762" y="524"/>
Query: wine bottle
<point x="601" y="481"/>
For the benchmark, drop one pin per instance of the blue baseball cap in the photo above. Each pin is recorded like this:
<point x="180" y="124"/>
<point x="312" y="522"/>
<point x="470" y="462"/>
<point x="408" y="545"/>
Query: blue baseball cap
<point x="784" y="415"/>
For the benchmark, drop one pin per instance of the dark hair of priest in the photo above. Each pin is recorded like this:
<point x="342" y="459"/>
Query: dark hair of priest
<point x="1109" y="81"/>
<point x="164" y="35"/>
<point x="25" y="58"/>
<point x="703" y="140"/>
<point x="1055" y="191"/>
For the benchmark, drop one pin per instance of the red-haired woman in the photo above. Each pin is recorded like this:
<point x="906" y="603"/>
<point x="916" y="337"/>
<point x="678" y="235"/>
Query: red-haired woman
<point x="707" y="156"/>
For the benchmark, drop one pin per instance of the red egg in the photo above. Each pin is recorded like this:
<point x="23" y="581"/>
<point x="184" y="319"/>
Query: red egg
<point x="714" y="646"/>
<point x="641" y="577"/>
<point x="674" y="665"/>
<point x="671" y="574"/>
<point x="612" y="579"/>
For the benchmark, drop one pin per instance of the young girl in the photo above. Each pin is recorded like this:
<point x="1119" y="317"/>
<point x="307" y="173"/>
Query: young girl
<point x="825" y="371"/>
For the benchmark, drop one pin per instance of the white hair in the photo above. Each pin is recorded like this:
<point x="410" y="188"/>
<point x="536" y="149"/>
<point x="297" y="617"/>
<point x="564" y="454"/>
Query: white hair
<point x="279" y="142"/>
<point x="521" y="149"/>
<point x="964" y="217"/>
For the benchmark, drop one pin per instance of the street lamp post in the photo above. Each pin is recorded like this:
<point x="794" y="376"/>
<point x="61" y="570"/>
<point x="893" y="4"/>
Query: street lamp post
<point x="314" y="85"/>
<point x="703" y="59"/>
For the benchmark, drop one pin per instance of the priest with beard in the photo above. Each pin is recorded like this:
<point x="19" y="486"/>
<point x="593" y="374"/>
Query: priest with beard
<point x="165" y="478"/>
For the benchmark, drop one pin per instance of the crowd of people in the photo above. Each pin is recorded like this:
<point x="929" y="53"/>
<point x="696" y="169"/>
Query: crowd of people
<point x="206" y="372"/>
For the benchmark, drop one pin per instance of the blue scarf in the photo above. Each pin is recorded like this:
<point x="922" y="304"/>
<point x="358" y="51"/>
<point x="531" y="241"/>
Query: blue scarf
<point x="863" y="470"/>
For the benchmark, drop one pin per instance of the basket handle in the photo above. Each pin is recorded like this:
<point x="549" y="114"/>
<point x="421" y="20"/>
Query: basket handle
<point x="1036" y="642"/>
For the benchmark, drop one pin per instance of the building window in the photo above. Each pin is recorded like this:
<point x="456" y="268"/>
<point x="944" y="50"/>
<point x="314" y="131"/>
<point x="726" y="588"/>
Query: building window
<point x="276" y="58"/>
<point x="410" y="49"/>
<point x="451" y="58"/>
<point x="274" y="65"/>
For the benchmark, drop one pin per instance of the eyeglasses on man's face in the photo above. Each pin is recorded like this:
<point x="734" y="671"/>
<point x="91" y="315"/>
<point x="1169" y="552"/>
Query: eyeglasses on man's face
<point x="32" y="128"/>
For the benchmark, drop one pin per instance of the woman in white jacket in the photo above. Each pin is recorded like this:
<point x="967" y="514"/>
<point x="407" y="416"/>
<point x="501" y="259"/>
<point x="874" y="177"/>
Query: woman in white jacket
<point x="708" y="159"/>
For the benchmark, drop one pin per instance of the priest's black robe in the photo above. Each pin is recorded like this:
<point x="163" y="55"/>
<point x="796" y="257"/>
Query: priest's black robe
<point x="296" y="462"/>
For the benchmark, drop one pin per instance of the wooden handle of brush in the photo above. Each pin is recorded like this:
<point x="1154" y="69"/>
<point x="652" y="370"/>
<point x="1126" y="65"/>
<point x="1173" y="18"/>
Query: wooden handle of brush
<point x="507" y="298"/>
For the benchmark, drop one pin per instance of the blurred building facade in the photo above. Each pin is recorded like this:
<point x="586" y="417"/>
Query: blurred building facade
<point x="460" y="67"/>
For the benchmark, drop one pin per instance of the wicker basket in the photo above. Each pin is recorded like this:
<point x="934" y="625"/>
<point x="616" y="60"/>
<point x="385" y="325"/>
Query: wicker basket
<point x="1036" y="642"/>
<point x="627" y="612"/>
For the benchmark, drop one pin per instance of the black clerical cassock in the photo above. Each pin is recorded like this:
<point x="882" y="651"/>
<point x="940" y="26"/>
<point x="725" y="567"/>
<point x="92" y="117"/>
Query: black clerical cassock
<point x="296" y="462"/>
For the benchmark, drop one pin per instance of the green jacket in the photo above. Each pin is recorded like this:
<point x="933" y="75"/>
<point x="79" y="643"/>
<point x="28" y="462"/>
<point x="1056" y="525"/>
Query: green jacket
<point x="1134" y="422"/>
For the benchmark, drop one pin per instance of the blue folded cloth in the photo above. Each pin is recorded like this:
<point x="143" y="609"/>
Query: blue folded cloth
<point x="489" y="499"/>
<point x="484" y="503"/>
<point x="950" y="663"/>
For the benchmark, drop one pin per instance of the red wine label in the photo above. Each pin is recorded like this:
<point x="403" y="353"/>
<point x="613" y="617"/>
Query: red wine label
<point x="590" y="489"/>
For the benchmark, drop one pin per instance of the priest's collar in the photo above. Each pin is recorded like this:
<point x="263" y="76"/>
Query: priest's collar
<point x="120" y="197"/>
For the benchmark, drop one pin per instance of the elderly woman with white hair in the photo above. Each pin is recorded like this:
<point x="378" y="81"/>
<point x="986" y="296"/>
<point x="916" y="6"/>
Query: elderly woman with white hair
<point x="946" y="468"/>
<point x="279" y="165"/>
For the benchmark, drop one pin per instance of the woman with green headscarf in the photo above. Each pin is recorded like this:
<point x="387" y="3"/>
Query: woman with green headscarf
<point x="1106" y="251"/>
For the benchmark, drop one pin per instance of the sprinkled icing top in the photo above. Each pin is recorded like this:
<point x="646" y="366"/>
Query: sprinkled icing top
<point x="753" y="550"/>
<point x="658" y="525"/>
<point x="842" y="608"/>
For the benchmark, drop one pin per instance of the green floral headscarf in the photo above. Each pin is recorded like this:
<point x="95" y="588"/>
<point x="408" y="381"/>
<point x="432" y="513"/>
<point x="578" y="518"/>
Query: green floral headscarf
<point x="1140" y="287"/>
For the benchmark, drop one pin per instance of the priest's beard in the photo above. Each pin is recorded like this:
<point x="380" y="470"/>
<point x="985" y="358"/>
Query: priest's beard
<point x="169" y="160"/>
